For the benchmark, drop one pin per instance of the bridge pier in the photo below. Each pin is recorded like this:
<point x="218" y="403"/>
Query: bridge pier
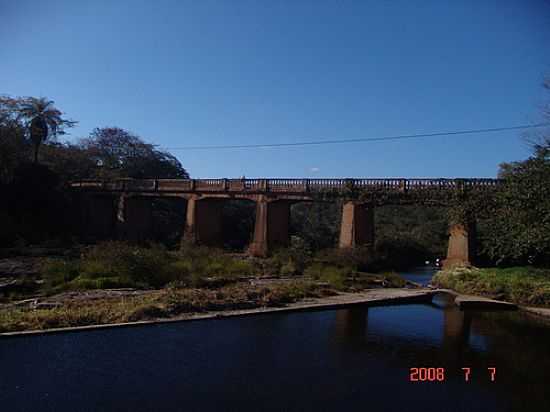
<point x="134" y="218"/>
<point x="270" y="227"/>
<point x="203" y="223"/>
<point x="98" y="217"/>
<point x="357" y="226"/>
<point x="462" y="245"/>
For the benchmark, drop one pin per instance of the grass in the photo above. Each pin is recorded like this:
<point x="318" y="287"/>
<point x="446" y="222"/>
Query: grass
<point x="195" y="279"/>
<point x="165" y="303"/>
<point x="521" y="285"/>
<point x="118" y="264"/>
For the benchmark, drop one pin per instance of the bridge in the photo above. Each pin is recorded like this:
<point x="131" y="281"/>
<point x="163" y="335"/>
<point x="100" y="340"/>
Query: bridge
<point x="122" y="208"/>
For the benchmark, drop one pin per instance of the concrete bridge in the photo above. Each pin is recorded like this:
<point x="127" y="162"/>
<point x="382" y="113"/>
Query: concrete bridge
<point x="125" y="205"/>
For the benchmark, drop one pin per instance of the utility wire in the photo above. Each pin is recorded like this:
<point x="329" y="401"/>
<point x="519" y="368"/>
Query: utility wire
<point x="360" y="140"/>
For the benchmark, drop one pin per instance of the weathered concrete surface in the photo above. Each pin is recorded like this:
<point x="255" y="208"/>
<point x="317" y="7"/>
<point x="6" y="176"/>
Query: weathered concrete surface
<point x="134" y="218"/>
<point x="462" y="245"/>
<point x="357" y="227"/>
<point x="477" y="302"/>
<point x="98" y="217"/>
<point x="540" y="312"/>
<point x="371" y="297"/>
<point x="270" y="227"/>
<point x="203" y="224"/>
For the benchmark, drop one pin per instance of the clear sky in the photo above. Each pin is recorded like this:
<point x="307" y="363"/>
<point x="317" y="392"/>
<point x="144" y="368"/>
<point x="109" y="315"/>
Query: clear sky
<point x="181" y="73"/>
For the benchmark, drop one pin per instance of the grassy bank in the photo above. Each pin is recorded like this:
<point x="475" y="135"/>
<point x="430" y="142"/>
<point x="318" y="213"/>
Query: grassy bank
<point x="164" y="303"/>
<point x="86" y="290"/>
<point x="521" y="285"/>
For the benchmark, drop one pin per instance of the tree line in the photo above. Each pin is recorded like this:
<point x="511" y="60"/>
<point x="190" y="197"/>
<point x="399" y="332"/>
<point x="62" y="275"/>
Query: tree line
<point x="514" y="225"/>
<point x="35" y="167"/>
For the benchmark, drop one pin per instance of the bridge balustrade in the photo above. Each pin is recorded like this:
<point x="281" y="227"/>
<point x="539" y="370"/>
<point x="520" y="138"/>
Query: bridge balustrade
<point x="286" y="185"/>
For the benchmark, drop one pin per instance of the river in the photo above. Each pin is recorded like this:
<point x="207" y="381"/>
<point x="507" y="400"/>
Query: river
<point x="355" y="359"/>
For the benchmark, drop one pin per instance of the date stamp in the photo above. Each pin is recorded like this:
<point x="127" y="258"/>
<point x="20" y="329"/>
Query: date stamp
<point x="439" y="374"/>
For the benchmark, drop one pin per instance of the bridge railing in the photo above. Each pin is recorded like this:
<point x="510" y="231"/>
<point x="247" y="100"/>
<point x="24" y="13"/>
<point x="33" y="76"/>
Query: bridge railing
<point x="281" y="185"/>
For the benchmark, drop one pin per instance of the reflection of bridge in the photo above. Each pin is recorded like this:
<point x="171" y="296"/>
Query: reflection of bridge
<point x="126" y="206"/>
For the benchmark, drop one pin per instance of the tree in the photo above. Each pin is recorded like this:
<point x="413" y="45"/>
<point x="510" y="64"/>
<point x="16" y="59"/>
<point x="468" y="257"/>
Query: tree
<point x="13" y="145"/>
<point x="119" y="153"/>
<point x="43" y="121"/>
<point x="520" y="224"/>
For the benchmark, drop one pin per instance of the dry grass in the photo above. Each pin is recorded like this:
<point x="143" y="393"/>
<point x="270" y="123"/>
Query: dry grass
<point x="165" y="303"/>
<point x="521" y="285"/>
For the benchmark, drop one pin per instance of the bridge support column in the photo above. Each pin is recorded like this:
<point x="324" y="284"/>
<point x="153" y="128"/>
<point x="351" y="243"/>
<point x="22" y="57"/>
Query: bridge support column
<point x="271" y="226"/>
<point x="462" y="245"/>
<point x="98" y="217"/>
<point x="357" y="226"/>
<point x="203" y="223"/>
<point x="134" y="218"/>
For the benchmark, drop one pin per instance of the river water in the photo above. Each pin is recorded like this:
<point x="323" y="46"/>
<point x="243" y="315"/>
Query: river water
<point x="355" y="359"/>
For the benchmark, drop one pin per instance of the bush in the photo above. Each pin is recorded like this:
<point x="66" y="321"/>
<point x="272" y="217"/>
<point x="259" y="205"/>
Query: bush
<point x="523" y="285"/>
<point x="359" y="258"/>
<point x="82" y="283"/>
<point x="336" y="277"/>
<point x="131" y="264"/>
<point x="333" y="275"/>
<point x="58" y="271"/>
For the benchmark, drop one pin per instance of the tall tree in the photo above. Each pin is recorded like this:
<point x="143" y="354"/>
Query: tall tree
<point x="43" y="120"/>
<point x="119" y="153"/>
<point x="520" y="224"/>
<point x="13" y="144"/>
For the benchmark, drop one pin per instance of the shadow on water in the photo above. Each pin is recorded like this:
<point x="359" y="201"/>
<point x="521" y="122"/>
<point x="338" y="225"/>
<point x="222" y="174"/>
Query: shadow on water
<point x="353" y="359"/>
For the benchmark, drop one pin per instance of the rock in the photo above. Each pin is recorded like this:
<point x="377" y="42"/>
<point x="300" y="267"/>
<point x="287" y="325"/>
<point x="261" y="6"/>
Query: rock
<point x="17" y="267"/>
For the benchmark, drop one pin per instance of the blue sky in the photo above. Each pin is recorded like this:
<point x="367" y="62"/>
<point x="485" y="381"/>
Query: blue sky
<point x="186" y="73"/>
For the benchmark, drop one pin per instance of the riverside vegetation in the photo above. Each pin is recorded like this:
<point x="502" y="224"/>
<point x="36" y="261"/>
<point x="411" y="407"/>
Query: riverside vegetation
<point x="521" y="285"/>
<point x="158" y="283"/>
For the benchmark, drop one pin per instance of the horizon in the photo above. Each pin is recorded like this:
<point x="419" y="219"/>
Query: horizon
<point x="215" y="73"/>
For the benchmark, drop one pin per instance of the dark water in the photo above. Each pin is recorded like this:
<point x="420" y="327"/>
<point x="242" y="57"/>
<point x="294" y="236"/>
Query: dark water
<point x="421" y="275"/>
<point x="355" y="359"/>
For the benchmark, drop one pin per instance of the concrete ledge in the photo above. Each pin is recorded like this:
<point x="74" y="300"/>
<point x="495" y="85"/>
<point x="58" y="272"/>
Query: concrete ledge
<point x="368" y="298"/>
<point x="543" y="313"/>
<point x="478" y="302"/>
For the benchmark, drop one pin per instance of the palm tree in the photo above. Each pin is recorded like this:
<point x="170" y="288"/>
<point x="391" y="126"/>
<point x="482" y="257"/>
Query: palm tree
<point x="44" y="121"/>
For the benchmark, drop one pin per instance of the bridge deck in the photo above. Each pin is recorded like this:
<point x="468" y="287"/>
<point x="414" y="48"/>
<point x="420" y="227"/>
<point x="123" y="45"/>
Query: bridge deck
<point x="296" y="186"/>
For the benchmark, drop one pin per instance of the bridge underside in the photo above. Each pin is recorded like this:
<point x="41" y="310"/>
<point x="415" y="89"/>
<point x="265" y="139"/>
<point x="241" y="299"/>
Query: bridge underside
<point x="123" y="210"/>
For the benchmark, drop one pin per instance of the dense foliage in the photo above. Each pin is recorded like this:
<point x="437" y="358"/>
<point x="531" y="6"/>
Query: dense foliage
<point x="519" y="230"/>
<point x="35" y="206"/>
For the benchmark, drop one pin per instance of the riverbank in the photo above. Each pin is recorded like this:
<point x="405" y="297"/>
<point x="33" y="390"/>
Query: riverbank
<point x="372" y="297"/>
<point x="107" y="306"/>
<point x="525" y="286"/>
<point x="117" y="282"/>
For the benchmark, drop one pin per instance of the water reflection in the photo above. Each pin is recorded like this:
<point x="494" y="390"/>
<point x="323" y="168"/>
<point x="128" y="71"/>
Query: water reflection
<point x="513" y="343"/>
<point x="351" y="324"/>
<point x="328" y="360"/>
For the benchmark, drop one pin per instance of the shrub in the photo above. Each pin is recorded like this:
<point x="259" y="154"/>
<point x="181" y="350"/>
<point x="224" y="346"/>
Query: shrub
<point x="333" y="275"/>
<point x="58" y="271"/>
<point x="236" y="267"/>
<point x="523" y="285"/>
<point x="314" y="270"/>
<point x="82" y="283"/>
<point x="359" y="258"/>
<point x="291" y="260"/>
<point x="336" y="277"/>
<point x="129" y="263"/>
